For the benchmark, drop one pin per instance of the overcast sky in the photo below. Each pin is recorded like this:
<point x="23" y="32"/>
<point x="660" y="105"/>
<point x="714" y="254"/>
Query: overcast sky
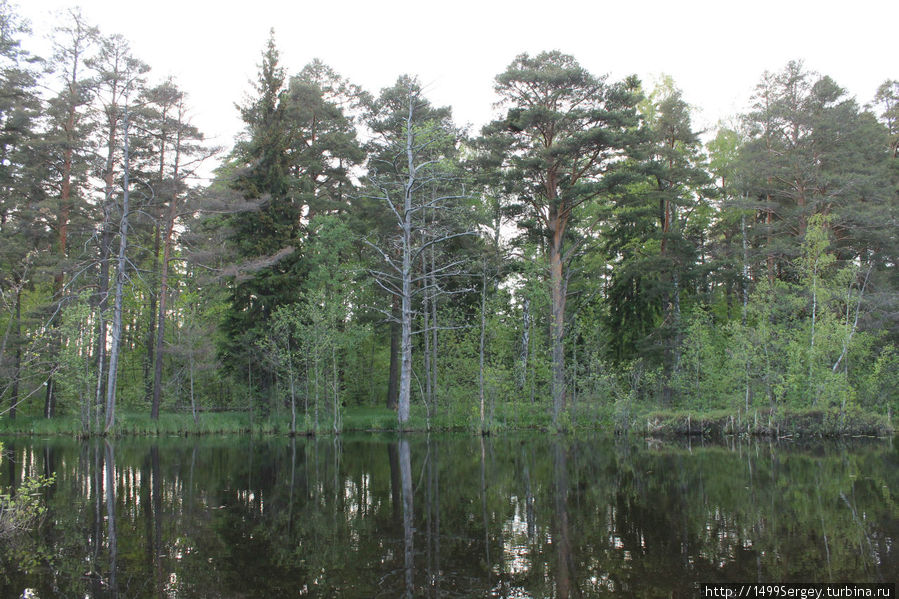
<point x="714" y="50"/>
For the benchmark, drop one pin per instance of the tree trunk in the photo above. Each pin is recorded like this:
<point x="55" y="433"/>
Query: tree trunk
<point x="394" y="376"/>
<point x="293" y="394"/>
<point x="677" y="323"/>
<point x="164" y="274"/>
<point x="433" y="284"/>
<point x="85" y="392"/>
<point x="193" y="404"/>
<point x="115" y="348"/>
<point x="65" y="196"/>
<point x="150" y="341"/>
<point x="426" y="332"/>
<point x="525" y="343"/>
<point x="405" y="390"/>
<point x="811" y="349"/>
<point x="848" y="338"/>
<point x="101" y="359"/>
<point x="105" y="251"/>
<point x="250" y="387"/>
<point x="557" y="326"/>
<point x="50" y="398"/>
<point x="65" y="207"/>
<point x="769" y="240"/>
<point x="405" y="393"/>
<point x="160" y="328"/>
<point x="14" y="400"/>
<point x="335" y="389"/>
<point x="481" y="345"/>
<point x="149" y="363"/>
<point x="745" y="299"/>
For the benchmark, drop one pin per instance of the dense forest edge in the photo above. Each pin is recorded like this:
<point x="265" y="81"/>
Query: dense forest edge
<point x="359" y="261"/>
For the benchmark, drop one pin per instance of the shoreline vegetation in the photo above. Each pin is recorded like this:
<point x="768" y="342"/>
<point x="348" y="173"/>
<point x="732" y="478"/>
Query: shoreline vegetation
<point x="782" y="423"/>
<point x="586" y="261"/>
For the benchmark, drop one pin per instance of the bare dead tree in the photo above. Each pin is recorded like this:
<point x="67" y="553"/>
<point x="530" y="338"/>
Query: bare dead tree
<point x="114" y="349"/>
<point x="413" y="157"/>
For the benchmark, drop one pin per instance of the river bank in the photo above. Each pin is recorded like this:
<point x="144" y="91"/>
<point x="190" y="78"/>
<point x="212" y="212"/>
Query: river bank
<point x="652" y="423"/>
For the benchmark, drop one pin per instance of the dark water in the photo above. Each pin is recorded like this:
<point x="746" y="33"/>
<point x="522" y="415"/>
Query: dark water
<point x="448" y="517"/>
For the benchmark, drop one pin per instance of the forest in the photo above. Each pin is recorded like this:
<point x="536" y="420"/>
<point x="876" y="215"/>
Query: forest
<point x="587" y="259"/>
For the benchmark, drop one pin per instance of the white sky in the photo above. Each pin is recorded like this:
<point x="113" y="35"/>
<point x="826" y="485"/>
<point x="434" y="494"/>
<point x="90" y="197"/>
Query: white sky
<point x="714" y="50"/>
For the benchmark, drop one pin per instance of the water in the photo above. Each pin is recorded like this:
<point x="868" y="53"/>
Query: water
<point x="449" y="516"/>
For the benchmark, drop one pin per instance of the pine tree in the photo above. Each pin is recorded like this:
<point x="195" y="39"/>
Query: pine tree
<point x="67" y="156"/>
<point x="567" y="133"/>
<point x="25" y="239"/>
<point x="812" y="151"/>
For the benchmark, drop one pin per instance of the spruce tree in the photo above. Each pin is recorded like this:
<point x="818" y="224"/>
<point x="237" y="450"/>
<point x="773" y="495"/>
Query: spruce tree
<point x="656" y="237"/>
<point x="296" y="160"/>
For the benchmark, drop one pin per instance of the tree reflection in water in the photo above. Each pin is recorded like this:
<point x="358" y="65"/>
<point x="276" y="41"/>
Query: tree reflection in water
<point x="507" y="516"/>
<point x="111" y="536"/>
<point x="408" y="547"/>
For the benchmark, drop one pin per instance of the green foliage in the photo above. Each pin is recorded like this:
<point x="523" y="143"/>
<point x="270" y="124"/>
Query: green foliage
<point x="782" y="423"/>
<point x="307" y="342"/>
<point x="22" y="510"/>
<point x="76" y="377"/>
<point x="599" y="263"/>
<point x="656" y="233"/>
<point x="710" y="375"/>
<point x="791" y="351"/>
<point x="296" y="160"/>
<point x="880" y="387"/>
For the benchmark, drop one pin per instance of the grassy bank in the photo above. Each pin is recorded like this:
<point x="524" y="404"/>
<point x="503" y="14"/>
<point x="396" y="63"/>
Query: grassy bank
<point x="353" y="419"/>
<point x="236" y="422"/>
<point x="768" y="423"/>
<point x="584" y="417"/>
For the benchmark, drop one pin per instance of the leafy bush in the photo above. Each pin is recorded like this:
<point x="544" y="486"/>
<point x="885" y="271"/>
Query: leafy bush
<point x="22" y="511"/>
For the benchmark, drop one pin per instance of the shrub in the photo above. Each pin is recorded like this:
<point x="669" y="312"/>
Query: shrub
<point x="21" y="512"/>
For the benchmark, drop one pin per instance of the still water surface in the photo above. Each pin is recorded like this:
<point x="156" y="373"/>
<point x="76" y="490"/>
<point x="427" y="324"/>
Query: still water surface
<point x="448" y="516"/>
